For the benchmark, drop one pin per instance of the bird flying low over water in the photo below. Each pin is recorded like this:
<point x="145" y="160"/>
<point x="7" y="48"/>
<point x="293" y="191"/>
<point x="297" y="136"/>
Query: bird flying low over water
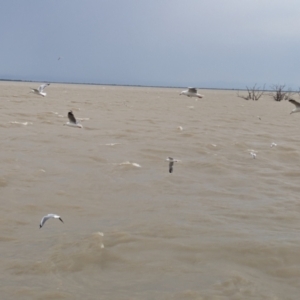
<point x="297" y="104"/>
<point x="171" y="163"/>
<point x="49" y="216"/>
<point x="191" y="92"/>
<point x="72" y="121"/>
<point x="40" y="90"/>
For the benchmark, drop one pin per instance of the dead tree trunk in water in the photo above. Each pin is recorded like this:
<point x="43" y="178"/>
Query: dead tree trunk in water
<point x="253" y="93"/>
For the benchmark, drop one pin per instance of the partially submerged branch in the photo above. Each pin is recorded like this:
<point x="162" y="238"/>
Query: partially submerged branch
<point x="254" y="93"/>
<point x="279" y="93"/>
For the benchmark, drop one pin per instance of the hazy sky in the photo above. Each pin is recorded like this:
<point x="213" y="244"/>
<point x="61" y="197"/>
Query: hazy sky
<point x="201" y="43"/>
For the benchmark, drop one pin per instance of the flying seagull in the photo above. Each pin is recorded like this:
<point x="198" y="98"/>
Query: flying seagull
<point x="72" y="121"/>
<point x="171" y="163"/>
<point x="297" y="104"/>
<point x="49" y="216"/>
<point x="40" y="90"/>
<point x="191" y="92"/>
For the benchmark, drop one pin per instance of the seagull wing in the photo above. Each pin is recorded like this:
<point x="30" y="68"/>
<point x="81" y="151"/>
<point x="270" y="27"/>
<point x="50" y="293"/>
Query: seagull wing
<point x="171" y="166"/>
<point x="55" y="217"/>
<point x="44" y="219"/>
<point x="42" y="87"/>
<point x="192" y="90"/>
<point x="71" y="117"/>
<point x="297" y="104"/>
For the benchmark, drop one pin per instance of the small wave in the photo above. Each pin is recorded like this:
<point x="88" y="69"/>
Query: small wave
<point x="130" y="163"/>
<point x="21" y="123"/>
<point x="111" y="144"/>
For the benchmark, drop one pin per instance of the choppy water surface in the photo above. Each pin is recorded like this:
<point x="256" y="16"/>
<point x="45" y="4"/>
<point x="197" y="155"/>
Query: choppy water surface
<point x="222" y="226"/>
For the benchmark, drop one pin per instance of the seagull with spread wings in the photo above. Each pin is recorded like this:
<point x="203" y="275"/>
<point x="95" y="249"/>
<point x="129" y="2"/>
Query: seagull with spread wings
<point x="40" y="90"/>
<point x="171" y="161"/>
<point x="191" y="92"/>
<point x="49" y="216"/>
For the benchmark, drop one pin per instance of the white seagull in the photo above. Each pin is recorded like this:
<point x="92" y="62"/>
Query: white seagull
<point x="171" y="163"/>
<point x="49" y="216"/>
<point x="191" y="92"/>
<point x="253" y="154"/>
<point x="40" y="90"/>
<point x="72" y="121"/>
<point x="297" y="104"/>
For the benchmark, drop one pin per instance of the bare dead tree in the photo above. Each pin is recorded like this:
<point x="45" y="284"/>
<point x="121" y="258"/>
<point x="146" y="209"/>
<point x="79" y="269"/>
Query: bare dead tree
<point x="254" y="93"/>
<point x="279" y="93"/>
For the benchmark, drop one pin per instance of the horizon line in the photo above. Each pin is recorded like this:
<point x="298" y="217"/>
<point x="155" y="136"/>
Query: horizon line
<point x="135" y="85"/>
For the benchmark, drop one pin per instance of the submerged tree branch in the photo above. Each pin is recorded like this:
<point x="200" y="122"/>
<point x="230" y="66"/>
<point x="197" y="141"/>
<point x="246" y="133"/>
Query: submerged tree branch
<point x="279" y="93"/>
<point x="254" y="93"/>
